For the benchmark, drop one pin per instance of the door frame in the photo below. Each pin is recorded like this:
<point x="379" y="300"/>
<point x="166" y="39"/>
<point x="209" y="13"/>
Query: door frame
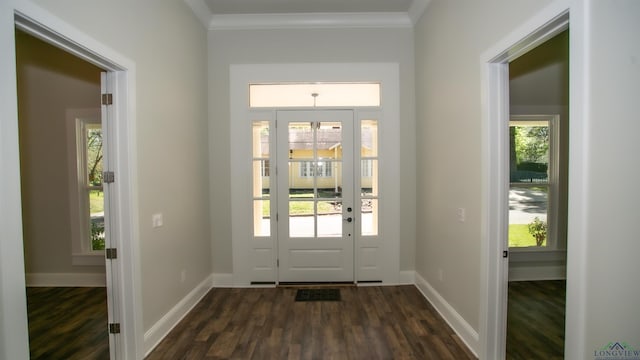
<point x="495" y="114"/>
<point x="241" y="75"/>
<point x="123" y="275"/>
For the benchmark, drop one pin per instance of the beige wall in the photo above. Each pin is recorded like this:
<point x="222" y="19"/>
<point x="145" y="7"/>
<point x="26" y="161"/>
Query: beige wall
<point x="228" y="47"/>
<point x="50" y="82"/>
<point x="449" y="40"/>
<point x="168" y="46"/>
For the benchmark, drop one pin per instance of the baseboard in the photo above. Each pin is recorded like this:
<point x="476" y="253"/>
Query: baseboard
<point x="466" y="332"/>
<point x="537" y="273"/>
<point x="223" y="280"/>
<point x="66" y="279"/>
<point x="160" y="329"/>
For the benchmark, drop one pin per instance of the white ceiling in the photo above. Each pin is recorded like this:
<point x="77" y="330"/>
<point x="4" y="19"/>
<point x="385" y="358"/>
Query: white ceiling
<point x="226" y="7"/>
<point x="267" y="14"/>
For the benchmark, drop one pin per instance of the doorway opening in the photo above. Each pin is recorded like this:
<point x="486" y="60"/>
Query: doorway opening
<point x="538" y="187"/>
<point x="61" y="152"/>
<point x="496" y="117"/>
<point x="116" y="87"/>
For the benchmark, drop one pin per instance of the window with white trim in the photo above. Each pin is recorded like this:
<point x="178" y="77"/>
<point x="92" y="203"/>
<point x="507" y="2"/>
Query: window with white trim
<point x="90" y="154"/>
<point x="533" y="190"/>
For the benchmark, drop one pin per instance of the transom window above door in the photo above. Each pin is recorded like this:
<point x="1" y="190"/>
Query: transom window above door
<point x="314" y="94"/>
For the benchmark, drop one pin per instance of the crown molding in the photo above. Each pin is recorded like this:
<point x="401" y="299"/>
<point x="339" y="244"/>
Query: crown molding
<point x="418" y="7"/>
<point x="310" y="21"/>
<point x="201" y="11"/>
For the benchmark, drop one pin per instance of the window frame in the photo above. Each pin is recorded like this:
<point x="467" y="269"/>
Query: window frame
<point x="81" y="249"/>
<point x="552" y="183"/>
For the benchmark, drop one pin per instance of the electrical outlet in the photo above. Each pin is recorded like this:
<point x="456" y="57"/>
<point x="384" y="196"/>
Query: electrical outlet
<point x="156" y="220"/>
<point x="462" y="214"/>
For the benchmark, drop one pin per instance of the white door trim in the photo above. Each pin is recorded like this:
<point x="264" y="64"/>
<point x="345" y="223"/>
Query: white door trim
<point x="14" y="343"/>
<point x="241" y="75"/>
<point x="495" y="97"/>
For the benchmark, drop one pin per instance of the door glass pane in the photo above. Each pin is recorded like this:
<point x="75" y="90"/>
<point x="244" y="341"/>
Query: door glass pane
<point x="369" y="177"/>
<point x="529" y="179"/>
<point x="261" y="225"/>
<point x="301" y="218"/>
<point x="329" y="218"/>
<point x="329" y="180"/>
<point x="261" y="178"/>
<point x="301" y="140"/>
<point x="369" y="189"/>
<point x="260" y="139"/>
<point x="314" y="94"/>
<point x="369" y="209"/>
<point x="369" y="138"/>
<point x="261" y="174"/>
<point x="329" y="140"/>
<point x="301" y="179"/>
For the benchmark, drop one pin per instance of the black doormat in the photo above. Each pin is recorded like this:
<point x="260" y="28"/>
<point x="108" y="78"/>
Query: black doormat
<point x="318" y="295"/>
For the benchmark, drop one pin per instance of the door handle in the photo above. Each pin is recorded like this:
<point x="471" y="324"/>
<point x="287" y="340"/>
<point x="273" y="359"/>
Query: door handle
<point x="349" y="219"/>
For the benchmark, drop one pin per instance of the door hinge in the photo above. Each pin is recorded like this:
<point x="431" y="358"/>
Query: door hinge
<point x="114" y="328"/>
<point x="107" y="99"/>
<point x="111" y="253"/>
<point x="277" y="262"/>
<point x="505" y="254"/>
<point x="108" y="177"/>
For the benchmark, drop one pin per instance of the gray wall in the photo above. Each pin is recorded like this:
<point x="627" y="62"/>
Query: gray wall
<point x="449" y="40"/>
<point x="50" y="81"/>
<point x="304" y="46"/>
<point x="168" y="45"/>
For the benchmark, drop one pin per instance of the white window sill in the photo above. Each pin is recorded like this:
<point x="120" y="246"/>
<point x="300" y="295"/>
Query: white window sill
<point x="537" y="254"/>
<point x="88" y="259"/>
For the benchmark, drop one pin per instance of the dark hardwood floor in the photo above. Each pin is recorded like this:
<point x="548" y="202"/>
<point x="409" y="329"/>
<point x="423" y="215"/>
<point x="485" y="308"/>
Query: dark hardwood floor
<point x="535" y="320"/>
<point x="68" y="323"/>
<point x="394" y="322"/>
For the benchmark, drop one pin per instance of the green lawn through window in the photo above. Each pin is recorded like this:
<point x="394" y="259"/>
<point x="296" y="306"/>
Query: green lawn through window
<point x="519" y="236"/>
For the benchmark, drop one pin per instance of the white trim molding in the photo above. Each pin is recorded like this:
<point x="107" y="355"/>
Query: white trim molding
<point x="535" y="265"/>
<point x="308" y="20"/>
<point x="417" y="9"/>
<point x="466" y="332"/>
<point x="162" y="327"/>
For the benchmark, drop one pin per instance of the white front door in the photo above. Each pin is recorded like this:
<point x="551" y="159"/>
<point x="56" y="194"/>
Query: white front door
<point x="316" y="211"/>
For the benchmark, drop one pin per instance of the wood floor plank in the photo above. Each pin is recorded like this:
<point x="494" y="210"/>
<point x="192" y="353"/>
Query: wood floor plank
<point x="67" y="323"/>
<point x="393" y="322"/>
<point x="535" y="320"/>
